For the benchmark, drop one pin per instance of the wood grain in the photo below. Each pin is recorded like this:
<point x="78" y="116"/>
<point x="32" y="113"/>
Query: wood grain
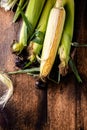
<point x="25" y="109"/>
<point x="60" y="107"/>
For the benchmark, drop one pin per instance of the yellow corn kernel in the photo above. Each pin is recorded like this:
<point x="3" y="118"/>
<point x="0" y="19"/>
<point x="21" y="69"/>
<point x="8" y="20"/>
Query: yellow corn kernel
<point x="52" y="40"/>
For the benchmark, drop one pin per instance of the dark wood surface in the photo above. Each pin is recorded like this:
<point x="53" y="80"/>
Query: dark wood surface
<point x="60" y="107"/>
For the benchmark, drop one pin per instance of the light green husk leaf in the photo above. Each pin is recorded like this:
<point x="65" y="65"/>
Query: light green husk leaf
<point x="37" y="39"/>
<point x="66" y="40"/>
<point x="22" y="4"/>
<point x="32" y="14"/>
<point x="31" y="71"/>
<point x="75" y="71"/>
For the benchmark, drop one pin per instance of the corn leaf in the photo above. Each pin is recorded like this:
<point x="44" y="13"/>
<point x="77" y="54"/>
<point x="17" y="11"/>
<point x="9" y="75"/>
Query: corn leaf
<point x="75" y="71"/>
<point x="22" y="5"/>
<point x="55" y="79"/>
<point x="28" y="71"/>
<point x="58" y="77"/>
<point x="37" y="37"/>
<point x="28" y="24"/>
<point x="76" y="44"/>
<point x="27" y="64"/>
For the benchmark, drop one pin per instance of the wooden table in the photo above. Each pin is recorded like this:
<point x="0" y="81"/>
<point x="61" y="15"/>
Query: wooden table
<point x="60" y="107"/>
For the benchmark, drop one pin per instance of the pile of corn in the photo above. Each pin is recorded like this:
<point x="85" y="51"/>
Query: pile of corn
<point x="46" y="33"/>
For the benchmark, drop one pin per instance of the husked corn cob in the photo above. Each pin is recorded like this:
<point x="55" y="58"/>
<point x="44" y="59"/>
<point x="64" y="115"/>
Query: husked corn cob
<point x="37" y="43"/>
<point x="52" y="39"/>
<point x="32" y="13"/>
<point x="65" y="45"/>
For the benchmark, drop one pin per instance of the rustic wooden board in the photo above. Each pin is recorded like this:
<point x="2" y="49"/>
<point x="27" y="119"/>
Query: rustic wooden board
<point x="24" y="110"/>
<point x="67" y="103"/>
<point x="60" y="107"/>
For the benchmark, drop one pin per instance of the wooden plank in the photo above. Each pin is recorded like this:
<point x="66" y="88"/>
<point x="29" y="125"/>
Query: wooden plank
<point x="67" y="110"/>
<point x="27" y="107"/>
<point x="61" y="107"/>
<point x="81" y="21"/>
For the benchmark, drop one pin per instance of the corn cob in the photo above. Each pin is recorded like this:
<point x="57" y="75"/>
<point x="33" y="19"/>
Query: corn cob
<point x="8" y="4"/>
<point x="32" y="13"/>
<point x="52" y="39"/>
<point x="36" y="43"/>
<point x="64" y="49"/>
<point x="22" y="4"/>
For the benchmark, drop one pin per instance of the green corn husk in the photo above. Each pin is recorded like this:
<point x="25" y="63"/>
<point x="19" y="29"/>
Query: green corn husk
<point x="65" y="47"/>
<point x="32" y="14"/>
<point x="75" y="71"/>
<point x="37" y="42"/>
<point x="22" y="4"/>
<point x="32" y="71"/>
<point x="8" y="4"/>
